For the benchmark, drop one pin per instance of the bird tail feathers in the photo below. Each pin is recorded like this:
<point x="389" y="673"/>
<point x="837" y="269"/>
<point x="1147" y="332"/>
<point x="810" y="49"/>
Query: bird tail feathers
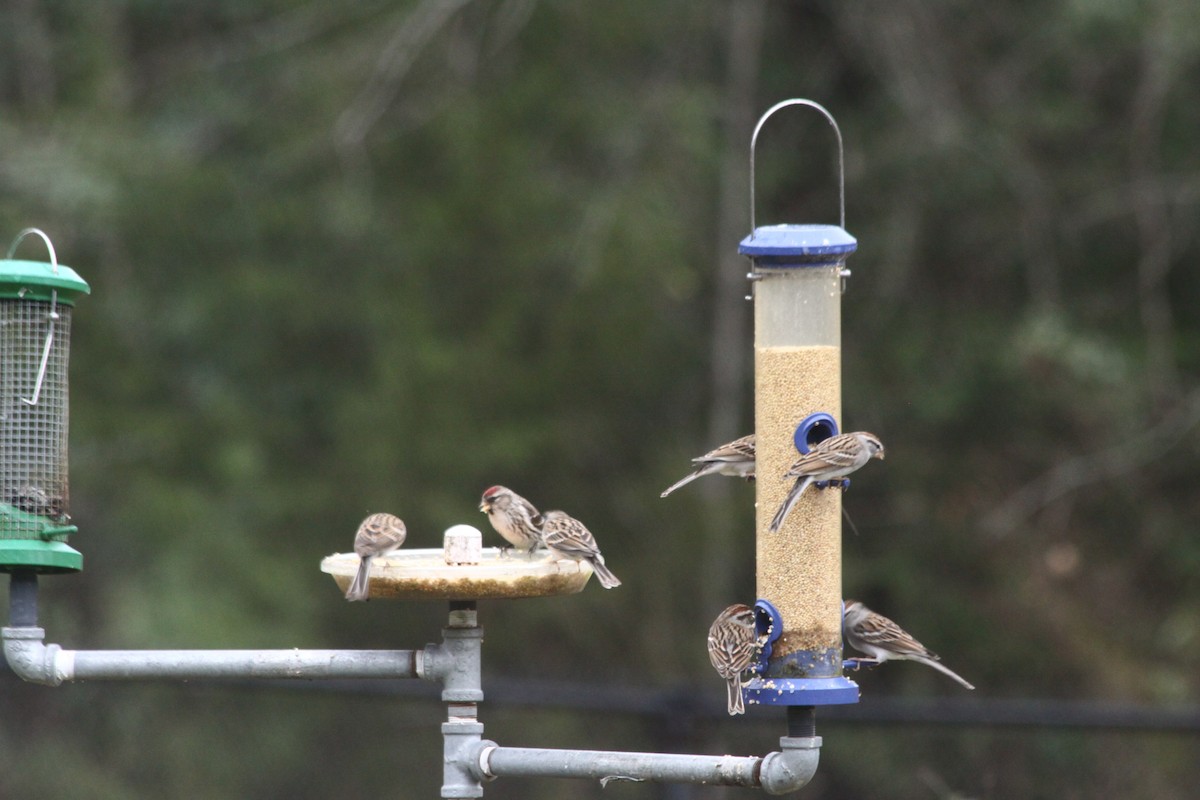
<point x="360" y="587"/>
<point x="681" y="482"/>
<point x="604" y="574"/>
<point x="942" y="668"/>
<point x="735" y="703"/>
<point x="786" y="508"/>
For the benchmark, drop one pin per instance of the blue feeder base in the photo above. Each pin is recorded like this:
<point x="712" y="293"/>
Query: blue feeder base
<point x="801" y="691"/>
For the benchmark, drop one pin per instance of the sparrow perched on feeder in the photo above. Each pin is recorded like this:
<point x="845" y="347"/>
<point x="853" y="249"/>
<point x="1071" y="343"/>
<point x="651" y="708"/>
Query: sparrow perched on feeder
<point x="835" y="457"/>
<point x="513" y="517"/>
<point x="884" y="640"/>
<point x="35" y="500"/>
<point x="378" y="535"/>
<point x="733" y="647"/>
<point x="735" y="459"/>
<point x="568" y="538"/>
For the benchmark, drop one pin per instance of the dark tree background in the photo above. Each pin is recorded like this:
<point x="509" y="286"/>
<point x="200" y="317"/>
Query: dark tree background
<point x="349" y="257"/>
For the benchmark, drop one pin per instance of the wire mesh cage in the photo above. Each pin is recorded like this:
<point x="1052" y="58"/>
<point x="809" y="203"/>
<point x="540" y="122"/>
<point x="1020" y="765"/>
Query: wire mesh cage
<point x="36" y="301"/>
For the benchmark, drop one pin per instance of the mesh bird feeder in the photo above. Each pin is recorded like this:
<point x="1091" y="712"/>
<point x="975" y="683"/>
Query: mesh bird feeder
<point x="797" y="277"/>
<point x="36" y="300"/>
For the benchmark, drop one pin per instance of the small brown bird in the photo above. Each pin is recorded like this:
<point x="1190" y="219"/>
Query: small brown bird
<point x="884" y="640"/>
<point x="735" y="459"/>
<point x="35" y="500"/>
<point x="568" y="538"/>
<point x="513" y="517"/>
<point x="733" y="647"/>
<point x="835" y="457"/>
<point x="378" y="535"/>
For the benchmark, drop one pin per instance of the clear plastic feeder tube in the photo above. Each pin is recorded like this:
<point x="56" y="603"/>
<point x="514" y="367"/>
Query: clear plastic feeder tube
<point x="797" y="278"/>
<point x="797" y="373"/>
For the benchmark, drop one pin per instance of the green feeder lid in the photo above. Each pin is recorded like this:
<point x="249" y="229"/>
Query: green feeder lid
<point x="39" y="556"/>
<point x="36" y="280"/>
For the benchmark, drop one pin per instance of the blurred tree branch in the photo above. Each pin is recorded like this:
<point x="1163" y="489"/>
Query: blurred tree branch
<point x="414" y="32"/>
<point x="730" y="342"/>
<point x="1158" y="54"/>
<point x="1123" y="458"/>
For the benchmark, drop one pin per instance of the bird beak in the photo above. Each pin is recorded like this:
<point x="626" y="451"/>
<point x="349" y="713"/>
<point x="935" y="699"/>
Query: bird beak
<point x="484" y="507"/>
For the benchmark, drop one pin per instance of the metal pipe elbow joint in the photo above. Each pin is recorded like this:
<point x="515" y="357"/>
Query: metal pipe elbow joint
<point x="32" y="659"/>
<point x="792" y="766"/>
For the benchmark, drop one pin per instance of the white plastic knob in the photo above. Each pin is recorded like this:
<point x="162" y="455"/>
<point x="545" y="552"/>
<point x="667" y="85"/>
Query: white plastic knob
<point x="463" y="544"/>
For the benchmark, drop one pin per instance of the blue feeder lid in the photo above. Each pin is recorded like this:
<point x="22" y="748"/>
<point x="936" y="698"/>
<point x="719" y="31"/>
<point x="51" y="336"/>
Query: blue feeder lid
<point x="36" y="280"/>
<point x="798" y="245"/>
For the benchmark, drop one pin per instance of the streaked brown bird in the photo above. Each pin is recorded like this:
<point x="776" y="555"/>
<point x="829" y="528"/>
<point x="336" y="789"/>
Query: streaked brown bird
<point x="568" y="538"/>
<point x="735" y="459"/>
<point x="884" y="640"/>
<point x="733" y="647"/>
<point x="378" y="535"/>
<point x="835" y="457"/>
<point x="513" y="517"/>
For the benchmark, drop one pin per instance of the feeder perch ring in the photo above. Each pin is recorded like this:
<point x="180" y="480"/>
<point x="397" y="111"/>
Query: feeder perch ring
<point x="768" y="623"/>
<point x="814" y="429"/>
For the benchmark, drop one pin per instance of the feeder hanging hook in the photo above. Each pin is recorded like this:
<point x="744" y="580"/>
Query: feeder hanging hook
<point x="53" y="315"/>
<point x="841" y="156"/>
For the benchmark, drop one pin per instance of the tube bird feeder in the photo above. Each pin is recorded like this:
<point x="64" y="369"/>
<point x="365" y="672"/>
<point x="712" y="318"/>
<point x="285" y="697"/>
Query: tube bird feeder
<point x="36" y="300"/>
<point x="797" y="276"/>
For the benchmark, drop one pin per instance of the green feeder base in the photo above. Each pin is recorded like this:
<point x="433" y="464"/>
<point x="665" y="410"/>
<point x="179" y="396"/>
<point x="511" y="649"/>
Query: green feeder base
<point x="45" y="557"/>
<point x="16" y="521"/>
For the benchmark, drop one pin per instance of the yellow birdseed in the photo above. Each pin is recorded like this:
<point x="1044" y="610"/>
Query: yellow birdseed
<point x="800" y="566"/>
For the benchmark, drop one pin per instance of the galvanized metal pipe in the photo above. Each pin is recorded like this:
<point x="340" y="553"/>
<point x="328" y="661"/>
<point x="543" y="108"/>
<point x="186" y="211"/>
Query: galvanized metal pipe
<point x="496" y="762"/>
<point x="38" y="662"/>
<point x="460" y="739"/>
<point x="777" y="773"/>
<point x="458" y="664"/>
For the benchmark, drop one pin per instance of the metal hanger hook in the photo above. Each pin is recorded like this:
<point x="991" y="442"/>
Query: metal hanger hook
<point x="12" y="248"/>
<point x="841" y="157"/>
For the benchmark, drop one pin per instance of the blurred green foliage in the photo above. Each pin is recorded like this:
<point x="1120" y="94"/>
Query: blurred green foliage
<point x="351" y="257"/>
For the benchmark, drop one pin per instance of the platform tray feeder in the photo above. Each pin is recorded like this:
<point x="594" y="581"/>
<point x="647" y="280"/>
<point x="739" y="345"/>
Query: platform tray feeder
<point x="462" y="570"/>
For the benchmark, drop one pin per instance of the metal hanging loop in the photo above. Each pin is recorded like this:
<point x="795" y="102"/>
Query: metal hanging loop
<point x="12" y="248"/>
<point x="52" y="317"/>
<point x="41" y="376"/>
<point x="841" y="158"/>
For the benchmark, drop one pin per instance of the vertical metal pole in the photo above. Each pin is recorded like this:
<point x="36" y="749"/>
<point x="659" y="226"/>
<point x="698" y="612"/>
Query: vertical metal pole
<point x="462" y="690"/>
<point x="802" y="721"/>
<point x="22" y="599"/>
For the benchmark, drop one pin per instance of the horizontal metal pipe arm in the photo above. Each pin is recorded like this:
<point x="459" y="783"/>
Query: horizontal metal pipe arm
<point x="777" y="773"/>
<point x="495" y="762"/>
<point x="35" y="661"/>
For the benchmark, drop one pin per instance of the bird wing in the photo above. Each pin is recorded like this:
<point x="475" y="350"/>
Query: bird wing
<point x="738" y="450"/>
<point x="835" y="453"/>
<point x="378" y="534"/>
<point x="881" y="632"/>
<point x="568" y="535"/>
<point x="731" y="658"/>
